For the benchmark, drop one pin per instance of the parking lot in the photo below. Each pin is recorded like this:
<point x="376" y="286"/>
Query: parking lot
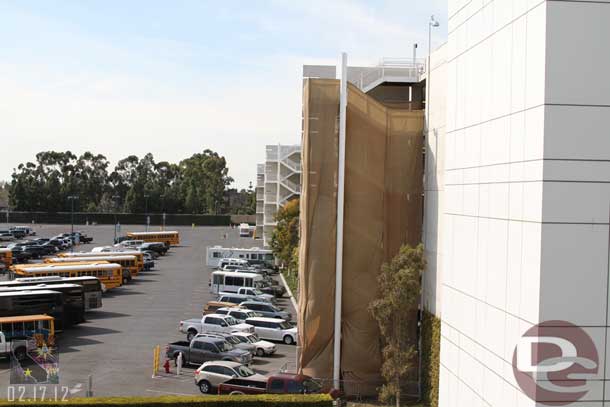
<point x="116" y="343"/>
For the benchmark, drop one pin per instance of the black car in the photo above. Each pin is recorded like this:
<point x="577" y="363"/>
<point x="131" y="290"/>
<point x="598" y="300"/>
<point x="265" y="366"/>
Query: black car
<point x="18" y="233"/>
<point x="158" y="247"/>
<point x="20" y="255"/>
<point x="37" y="251"/>
<point x="49" y="248"/>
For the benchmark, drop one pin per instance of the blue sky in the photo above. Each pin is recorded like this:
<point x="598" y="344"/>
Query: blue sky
<point x="176" y="77"/>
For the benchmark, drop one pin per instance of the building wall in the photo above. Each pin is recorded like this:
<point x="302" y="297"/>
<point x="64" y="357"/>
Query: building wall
<point x="434" y="182"/>
<point x="492" y="215"/>
<point x="278" y="181"/>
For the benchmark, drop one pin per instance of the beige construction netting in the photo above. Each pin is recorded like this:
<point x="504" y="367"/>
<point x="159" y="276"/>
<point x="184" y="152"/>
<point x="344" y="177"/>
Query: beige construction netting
<point x="383" y="210"/>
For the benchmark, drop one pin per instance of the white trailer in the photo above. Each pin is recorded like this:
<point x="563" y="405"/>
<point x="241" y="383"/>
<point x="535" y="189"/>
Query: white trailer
<point x="254" y="255"/>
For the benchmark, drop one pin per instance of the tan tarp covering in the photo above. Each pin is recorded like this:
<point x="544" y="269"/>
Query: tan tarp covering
<point x="383" y="210"/>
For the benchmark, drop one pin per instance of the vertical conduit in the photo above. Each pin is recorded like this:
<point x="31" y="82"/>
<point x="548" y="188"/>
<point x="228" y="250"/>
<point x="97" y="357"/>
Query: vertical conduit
<point x="340" y="216"/>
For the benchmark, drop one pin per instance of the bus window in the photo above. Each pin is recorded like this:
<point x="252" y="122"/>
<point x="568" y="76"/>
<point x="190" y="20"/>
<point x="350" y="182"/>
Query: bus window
<point x="216" y="255"/>
<point x="247" y="282"/>
<point x="218" y="279"/>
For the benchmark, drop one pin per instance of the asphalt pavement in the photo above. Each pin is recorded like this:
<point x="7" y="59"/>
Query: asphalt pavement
<point x="115" y="345"/>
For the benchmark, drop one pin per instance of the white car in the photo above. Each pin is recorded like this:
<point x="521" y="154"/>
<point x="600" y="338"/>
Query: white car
<point x="274" y="329"/>
<point x="132" y="244"/>
<point x="263" y="348"/>
<point x="223" y="323"/>
<point x="212" y="374"/>
<point x="239" y="313"/>
<point x="256" y="293"/>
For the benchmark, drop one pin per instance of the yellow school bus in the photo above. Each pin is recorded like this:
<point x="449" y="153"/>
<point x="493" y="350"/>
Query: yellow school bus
<point x="128" y="262"/>
<point x="109" y="274"/>
<point x="171" y="238"/>
<point x="76" y="256"/>
<point x="28" y="326"/>
<point x="6" y="257"/>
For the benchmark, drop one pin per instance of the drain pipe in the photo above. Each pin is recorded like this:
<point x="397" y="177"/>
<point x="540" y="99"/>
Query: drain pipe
<point x="340" y="217"/>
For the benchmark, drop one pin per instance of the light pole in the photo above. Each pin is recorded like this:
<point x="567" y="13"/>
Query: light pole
<point x="431" y="23"/>
<point x="115" y="199"/>
<point x="72" y="198"/>
<point x="146" y="196"/>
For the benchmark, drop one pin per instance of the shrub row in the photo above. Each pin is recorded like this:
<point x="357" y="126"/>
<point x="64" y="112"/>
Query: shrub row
<point x="264" y="400"/>
<point x="431" y="349"/>
<point x="156" y="219"/>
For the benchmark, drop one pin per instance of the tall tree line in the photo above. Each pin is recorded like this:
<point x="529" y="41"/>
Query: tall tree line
<point x="197" y="184"/>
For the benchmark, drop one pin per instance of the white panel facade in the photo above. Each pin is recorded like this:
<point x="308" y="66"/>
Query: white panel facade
<point x="526" y="204"/>
<point x="493" y="196"/>
<point x="434" y="181"/>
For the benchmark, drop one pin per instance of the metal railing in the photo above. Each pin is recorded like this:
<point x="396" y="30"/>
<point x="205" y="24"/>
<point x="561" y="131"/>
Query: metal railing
<point x="293" y="186"/>
<point x="389" y="74"/>
<point x="296" y="167"/>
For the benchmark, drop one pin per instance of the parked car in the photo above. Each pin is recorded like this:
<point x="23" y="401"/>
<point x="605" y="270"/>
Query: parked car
<point x="80" y="237"/>
<point x="20" y="255"/>
<point x="158" y="247"/>
<point x="270" y="287"/>
<point x="149" y="262"/>
<point x="267" y="310"/>
<point x="239" y="313"/>
<point x="211" y="323"/>
<point x="201" y="350"/>
<point x="223" y="323"/>
<point x="256" y="293"/>
<point x="263" y="348"/>
<point x="239" y="298"/>
<point x="233" y="340"/>
<point x="27" y="230"/>
<point x="131" y="244"/>
<point x="6" y="236"/>
<point x="211" y="374"/>
<point x="212" y="306"/>
<point x="282" y="383"/>
<point x="274" y="329"/>
<point x="36" y="251"/>
<point x="18" y="233"/>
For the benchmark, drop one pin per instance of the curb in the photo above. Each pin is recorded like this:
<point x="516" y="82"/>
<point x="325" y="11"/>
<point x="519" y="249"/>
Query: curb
<point x="294" y="303"/>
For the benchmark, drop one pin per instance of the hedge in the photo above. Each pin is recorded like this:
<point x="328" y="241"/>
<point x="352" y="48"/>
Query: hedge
<point x="431" y="344"/>
<point x="156" y="219"/>
<point x="263" y="400"/>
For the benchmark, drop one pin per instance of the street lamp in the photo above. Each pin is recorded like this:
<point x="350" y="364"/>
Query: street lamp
<point x="146" y="196"/>
<point x="72" y="198"/>
<point x="432" y="23"/>
<point x="116" y="199"/>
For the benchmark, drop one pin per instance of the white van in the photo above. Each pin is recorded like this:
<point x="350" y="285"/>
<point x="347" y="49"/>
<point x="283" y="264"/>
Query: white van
<point x="244" y="230"/>
<point x="232" y="281"/>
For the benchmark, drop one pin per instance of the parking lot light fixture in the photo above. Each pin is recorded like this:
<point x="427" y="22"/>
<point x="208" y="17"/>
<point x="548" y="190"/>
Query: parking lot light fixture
<point x="72" y="198"/>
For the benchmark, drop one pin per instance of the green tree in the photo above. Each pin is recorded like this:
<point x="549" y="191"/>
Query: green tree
<point x="395" y="311"/>
<point x="204" y="179"/>
<point x="285" y="237"/>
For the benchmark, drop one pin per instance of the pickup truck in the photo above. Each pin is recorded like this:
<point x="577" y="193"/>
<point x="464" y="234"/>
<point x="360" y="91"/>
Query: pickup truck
<point x="212" y="323"/>
<point x="203" y="349"/>
<point x="5" y="348"/>
<point x="282" y="383"/>
<point x="255" y="293"/>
